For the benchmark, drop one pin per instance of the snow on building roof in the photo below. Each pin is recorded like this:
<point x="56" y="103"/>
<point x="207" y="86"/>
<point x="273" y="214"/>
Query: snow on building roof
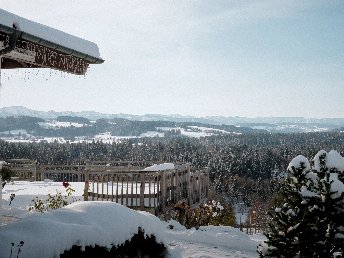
<point x="28" y="44"/>
<point x="160" y="167"/>
<point x="47" y="33"/>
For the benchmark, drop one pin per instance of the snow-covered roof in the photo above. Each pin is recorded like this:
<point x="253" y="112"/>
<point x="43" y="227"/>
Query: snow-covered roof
<point x="46" y="33"/>
<point x="160" y="167"/>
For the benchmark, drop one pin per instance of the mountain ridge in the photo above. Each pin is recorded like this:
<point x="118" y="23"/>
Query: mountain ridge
<point x="216" y="120"/>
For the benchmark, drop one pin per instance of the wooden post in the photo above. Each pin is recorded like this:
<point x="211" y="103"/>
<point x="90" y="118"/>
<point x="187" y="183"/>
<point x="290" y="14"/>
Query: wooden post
<point x="112" y="182"/>
<point x="163" y="189"/>
<point x="149" y="190"/>
<point x="93" y="187"/>
<point x="207" y="183"/>
<point x="107" y="187"/>
<point x="189" y="181"/>
<point x="173" y="186"/>
<point x="156" y="200"/>
<point x="203" y="188"/>
<point x="178" y="179"/>
<point x="116" y="188"/>
<point x="86" y="186"/>
<point x="102" y="182"/>
<point x="122" y="189"/>
<point x="98" y="187"/>
<point x="142" y="191"/>
<point x="127" y="191"/>
<point x="35" y="173"/>
<point x="132" y="190"/>
<point x="0" y="193"/>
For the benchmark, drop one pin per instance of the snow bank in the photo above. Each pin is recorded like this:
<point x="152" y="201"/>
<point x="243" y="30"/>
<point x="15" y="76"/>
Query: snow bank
<point x="337" y="187"/>
<point x="81" y="223"/>
<point x="160" y="167"/>
<point x="36" y="29"/>
<point x="296" y="162"/>
<point x="335" y="160"/>
<point x="317" y="160"/>
<point x="307" y="193"/>
<point x="151" y="134"/>
<point x="332" y="160"/>
<point x="219" y="237"/>
<point x="104" y="223"/>
<point x="26" y="191"/>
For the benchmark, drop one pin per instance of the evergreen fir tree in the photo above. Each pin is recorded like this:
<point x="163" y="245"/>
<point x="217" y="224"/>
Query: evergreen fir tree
<point x="309" y="223"/>
<point x="288" y="216"/>
<point x="329" y="215"/>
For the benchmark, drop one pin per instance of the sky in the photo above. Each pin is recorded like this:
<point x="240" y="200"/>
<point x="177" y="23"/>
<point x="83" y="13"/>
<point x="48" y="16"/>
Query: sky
<point x="201" y="58"/>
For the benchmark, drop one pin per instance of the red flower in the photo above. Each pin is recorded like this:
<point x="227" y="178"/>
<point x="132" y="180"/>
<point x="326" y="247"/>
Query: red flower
<point x="65" y="184"/>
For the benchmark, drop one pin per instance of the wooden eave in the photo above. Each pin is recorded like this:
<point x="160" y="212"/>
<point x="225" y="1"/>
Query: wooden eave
<point x="19" y="49"/>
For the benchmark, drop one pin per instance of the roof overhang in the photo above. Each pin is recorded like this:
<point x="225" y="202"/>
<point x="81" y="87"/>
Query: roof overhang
<point x="20" y="49"/>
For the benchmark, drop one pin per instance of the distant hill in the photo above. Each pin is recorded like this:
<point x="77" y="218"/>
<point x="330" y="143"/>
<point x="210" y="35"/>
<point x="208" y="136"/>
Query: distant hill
<point x="30" y="128"/>
<point x="274" y="124"/>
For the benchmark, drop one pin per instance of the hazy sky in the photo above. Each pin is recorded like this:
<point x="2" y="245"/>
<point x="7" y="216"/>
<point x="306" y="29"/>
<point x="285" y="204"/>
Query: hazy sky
<point x="231" y="58"/>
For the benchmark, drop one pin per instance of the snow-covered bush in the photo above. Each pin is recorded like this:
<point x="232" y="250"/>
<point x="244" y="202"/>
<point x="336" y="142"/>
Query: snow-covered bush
<point x="204" y="214"/>
<point x="6" y="175"/>
<point x="307" y="218"/>
<point x="140" y="245"/>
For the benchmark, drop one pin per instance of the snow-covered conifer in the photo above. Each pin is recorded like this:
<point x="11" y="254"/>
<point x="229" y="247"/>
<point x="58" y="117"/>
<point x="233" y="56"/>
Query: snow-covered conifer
<point x="307" y="221"/>
<point x="283" y="237"/>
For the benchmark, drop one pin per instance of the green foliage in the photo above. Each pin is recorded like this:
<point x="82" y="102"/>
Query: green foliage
<point x="6" y="174"/>
<point x="52" y="202"/>
<point x="221" y="215"/>
<point x="248" y="164"/>
<point x="291" y="219"/>
<point x="22" y="122"/>
<point x="211" y="213"/>
<point x="73" y="119"/>
<point x="140" y="245"/>
<point x="307" y="218"/>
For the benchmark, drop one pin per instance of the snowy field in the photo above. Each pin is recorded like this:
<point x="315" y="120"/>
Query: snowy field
<point x="106" y="137"/>
<point x="90" y="223"/>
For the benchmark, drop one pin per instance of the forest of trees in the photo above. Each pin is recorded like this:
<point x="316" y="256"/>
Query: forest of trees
<point x="249" y="164"/>
<point x="116" y="126"/>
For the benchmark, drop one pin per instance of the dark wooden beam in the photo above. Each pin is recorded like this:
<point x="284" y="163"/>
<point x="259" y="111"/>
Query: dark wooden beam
<point x="27" y="54"/>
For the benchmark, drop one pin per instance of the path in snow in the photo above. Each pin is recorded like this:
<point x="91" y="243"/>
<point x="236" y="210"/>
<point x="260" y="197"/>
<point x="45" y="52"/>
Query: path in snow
<point x="193" y="249"/>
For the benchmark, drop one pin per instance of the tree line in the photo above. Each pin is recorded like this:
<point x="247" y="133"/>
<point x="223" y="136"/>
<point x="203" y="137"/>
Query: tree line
<point x="116" y="126"/>
<point x="248" y="163"/>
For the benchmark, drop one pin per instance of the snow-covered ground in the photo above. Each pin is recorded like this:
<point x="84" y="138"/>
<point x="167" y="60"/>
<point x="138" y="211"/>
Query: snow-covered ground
<point x="196" y="131"/>
<point x="292" y="128"/>
<point x="192" y="131"/>
<point x="89" y="223"/>
<point x="57" y="124"/>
